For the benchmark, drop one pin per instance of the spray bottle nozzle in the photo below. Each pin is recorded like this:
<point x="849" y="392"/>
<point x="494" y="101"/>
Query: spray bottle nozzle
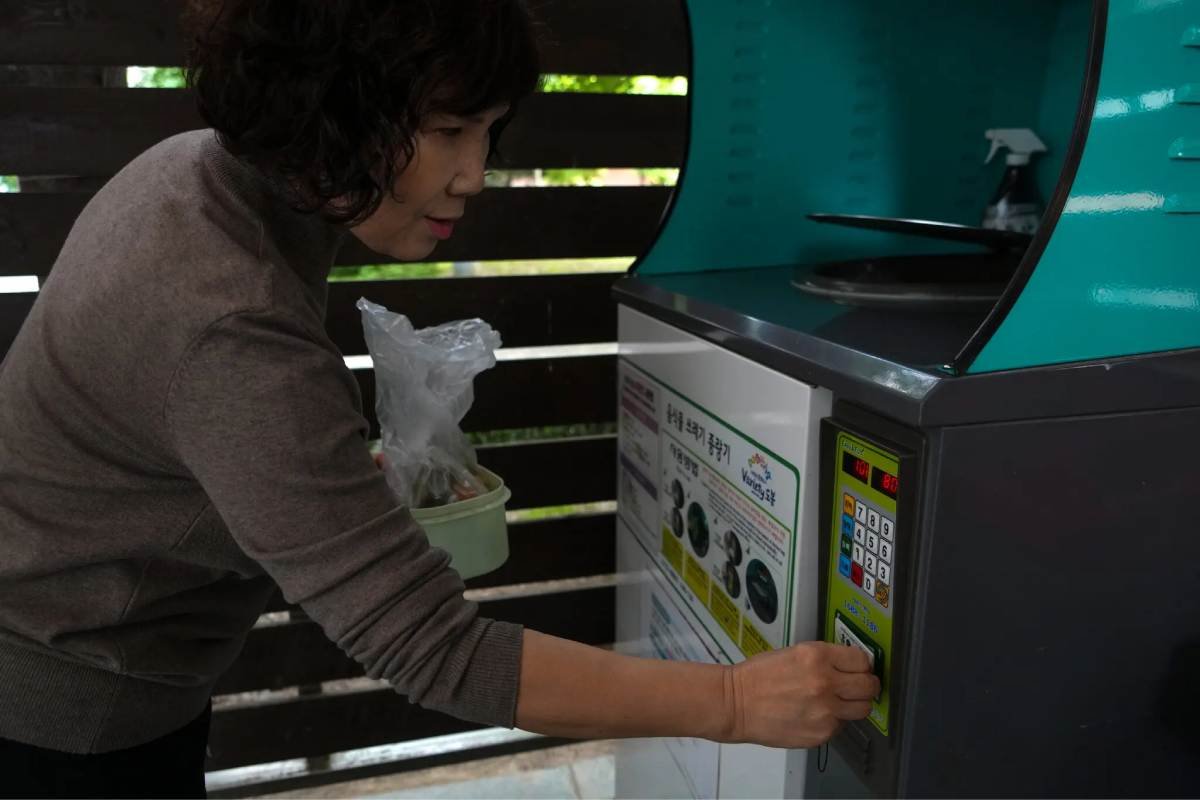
<point x="1021" y="143"/>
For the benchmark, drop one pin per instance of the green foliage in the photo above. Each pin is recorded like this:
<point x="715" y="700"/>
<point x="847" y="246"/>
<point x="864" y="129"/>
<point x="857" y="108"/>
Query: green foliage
<point x="154" y="77"/>
<point x="615" y="84"/>
<point x="173" y="78"/>
<point x="592" y="84"/>
<point x="9" y="183"/>
<point x="389" y="272"/>
<point x="558" y="512"/>
<point x="442" y="269"/>
<point x="600" y="177"/>
<point x="551" y="266"/>
<point x="660" y="177"/>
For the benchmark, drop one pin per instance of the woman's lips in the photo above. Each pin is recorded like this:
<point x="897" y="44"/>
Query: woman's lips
<point x="441" y="228"/>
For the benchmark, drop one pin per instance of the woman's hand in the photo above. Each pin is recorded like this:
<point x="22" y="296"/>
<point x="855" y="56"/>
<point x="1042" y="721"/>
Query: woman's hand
<point x="799" y="696"/>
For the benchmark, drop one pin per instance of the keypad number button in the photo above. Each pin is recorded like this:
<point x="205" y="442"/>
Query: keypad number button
<point x="859" y="554"/>
<point x="872" y="520"/>
<point x="869" y="584"/>
<point x="884" y="572"/>
<point x="873" y="542"/>
<point x="860" y="513"/>
<point x="870" y="563"/>
<point x="860" y="533"/>
<point x="885" y="551"/>
<point x="887" y="528"/>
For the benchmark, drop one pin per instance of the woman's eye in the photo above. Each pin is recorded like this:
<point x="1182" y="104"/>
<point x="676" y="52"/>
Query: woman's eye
<point x="451" y="132"/>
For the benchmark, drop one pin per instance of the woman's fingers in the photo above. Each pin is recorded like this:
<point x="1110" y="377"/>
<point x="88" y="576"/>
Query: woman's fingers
<point x="859" y="709"/>
<point x="850" y="659"/>
<point x="857" y="686"/>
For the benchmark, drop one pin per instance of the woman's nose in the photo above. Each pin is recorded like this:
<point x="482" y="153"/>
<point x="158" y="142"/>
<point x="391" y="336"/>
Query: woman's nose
<point x="469" y="178"/>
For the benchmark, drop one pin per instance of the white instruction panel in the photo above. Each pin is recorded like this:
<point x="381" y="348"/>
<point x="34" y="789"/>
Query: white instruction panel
<point x="670" y="638"/>
<point x="715" y="509"/>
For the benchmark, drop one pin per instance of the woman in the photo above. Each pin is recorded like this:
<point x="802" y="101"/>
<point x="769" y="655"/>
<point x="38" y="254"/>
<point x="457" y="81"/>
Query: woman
<point x="177" y="432"/>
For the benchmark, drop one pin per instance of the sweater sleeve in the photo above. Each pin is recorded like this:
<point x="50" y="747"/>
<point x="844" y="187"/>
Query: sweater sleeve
<point x="266" y="418"/>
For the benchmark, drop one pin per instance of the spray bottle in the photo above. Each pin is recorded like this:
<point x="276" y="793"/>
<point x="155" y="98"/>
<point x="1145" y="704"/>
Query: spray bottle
<point x="1017" y="204"/>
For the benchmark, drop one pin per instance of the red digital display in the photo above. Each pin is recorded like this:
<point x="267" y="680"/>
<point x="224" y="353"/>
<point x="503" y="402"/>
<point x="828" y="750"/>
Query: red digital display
<point x="885" y="482"/>
<point x="856" y="467"/>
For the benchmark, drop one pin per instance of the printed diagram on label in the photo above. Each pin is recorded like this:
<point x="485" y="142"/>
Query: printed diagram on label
<point x="719" y="537"/>
<point x="733" y="555"/>
<point x="716" y="510"/>
<point x="697" y="528"/>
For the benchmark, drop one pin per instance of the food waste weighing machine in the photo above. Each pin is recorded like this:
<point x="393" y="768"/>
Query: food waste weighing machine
<point x="849" y="412"/>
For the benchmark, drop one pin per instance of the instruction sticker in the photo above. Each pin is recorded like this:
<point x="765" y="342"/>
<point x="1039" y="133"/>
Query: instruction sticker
<point x="672" y="638"/>
<point x="716" y="509"/>
<point x="637" y="421"/>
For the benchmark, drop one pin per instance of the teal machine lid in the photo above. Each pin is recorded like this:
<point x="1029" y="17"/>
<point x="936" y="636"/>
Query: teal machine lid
<point x="872" y="107"/>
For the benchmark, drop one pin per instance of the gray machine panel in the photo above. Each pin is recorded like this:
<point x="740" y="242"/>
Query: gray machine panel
<point x="1056" y="643"/>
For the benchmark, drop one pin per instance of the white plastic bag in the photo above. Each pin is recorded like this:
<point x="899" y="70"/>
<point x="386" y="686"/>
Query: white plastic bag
<point x="423" y="389"/>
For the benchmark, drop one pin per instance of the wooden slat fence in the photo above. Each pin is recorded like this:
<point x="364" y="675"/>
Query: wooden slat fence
<point x="613" y="37"/>
<point x="61" y="116"/>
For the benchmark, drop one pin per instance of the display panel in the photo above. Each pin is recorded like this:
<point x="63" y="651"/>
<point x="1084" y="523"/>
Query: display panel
<point x="885" y="482"/>
<point x="862" y="563"/>
<point x="856" y="467"/>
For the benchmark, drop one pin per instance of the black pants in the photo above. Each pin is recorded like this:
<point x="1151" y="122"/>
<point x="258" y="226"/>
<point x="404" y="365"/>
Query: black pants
<point x="172" y="766"/>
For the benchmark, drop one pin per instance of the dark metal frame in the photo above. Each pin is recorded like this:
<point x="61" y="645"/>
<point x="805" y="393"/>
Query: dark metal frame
<point x="873" y="756"/>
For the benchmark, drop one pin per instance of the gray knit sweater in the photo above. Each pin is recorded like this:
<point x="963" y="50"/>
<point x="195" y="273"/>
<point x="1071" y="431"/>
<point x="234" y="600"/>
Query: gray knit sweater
<point x="175" y="427"/>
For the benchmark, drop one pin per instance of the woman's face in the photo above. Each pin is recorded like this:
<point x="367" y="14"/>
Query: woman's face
<point x="430" y="194"/>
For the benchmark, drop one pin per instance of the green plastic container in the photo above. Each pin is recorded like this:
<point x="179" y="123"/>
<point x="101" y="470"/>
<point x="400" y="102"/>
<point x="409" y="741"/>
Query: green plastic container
<point x="473" y="532"/>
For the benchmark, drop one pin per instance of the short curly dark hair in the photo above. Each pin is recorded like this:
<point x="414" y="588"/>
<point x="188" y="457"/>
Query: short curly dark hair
<point x="326" y="96"/>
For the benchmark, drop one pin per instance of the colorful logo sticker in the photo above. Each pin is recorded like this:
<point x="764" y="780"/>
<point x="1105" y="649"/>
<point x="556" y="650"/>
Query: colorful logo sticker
<point x="764" y="468"/>
<point x="756" y="475"/>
